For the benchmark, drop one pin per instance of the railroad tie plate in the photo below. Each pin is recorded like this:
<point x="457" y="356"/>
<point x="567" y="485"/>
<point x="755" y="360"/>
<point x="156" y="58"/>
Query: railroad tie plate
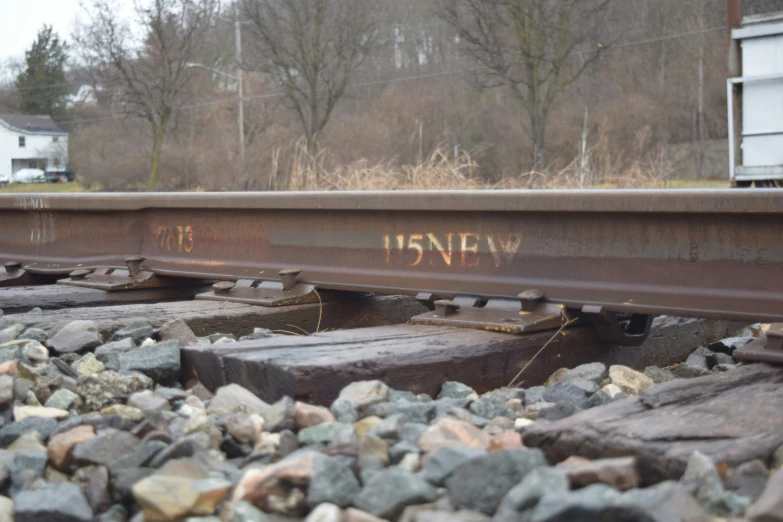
<point x="497" y="315"/>
<point x="768" y="349"/>
<point x="12" y="274"/>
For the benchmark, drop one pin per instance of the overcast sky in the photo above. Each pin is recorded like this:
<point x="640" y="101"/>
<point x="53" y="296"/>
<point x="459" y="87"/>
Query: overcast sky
<point x="21" y="19"/>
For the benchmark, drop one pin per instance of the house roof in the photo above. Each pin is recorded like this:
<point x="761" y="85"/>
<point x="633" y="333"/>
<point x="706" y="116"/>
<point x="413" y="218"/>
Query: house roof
<point x="31" y="124"/>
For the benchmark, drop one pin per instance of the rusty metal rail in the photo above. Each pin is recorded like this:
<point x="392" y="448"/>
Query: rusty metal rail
<point x="693" y="253"/>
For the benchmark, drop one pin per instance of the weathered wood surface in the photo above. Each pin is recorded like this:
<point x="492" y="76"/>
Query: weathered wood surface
<point x="19" y="299"/>
<point x="207" y="317"/>
<point x="421" y="358"/>
<point x="732" y="417"/>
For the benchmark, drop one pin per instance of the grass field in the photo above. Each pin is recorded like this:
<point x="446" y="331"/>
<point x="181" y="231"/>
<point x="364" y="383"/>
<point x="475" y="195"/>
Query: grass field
<point x="42" y="187"/>
<point x="75" y="187"/>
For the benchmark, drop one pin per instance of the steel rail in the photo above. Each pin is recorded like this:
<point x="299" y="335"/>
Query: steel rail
<point x="701" y="253"/>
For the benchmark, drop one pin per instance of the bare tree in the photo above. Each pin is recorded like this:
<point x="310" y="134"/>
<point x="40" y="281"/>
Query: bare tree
<point x="145" y="76"/>
<point x="311" y="48"/>
<point x="529" y="46"/>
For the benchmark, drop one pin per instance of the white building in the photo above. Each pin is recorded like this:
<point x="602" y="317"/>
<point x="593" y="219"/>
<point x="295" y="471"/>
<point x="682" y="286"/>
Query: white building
<point x="31" y="142"/>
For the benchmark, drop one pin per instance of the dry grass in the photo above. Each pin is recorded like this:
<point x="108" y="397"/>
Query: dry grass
<point x="598" y="169"/>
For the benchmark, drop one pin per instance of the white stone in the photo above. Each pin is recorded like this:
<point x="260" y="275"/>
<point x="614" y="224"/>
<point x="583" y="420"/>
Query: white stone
<point x="628" y="380"/>
<point x="365" y="393"/>
<point x="22" y="412"/>
<point x="611" y="390"/>
<point x="325" y="512"/>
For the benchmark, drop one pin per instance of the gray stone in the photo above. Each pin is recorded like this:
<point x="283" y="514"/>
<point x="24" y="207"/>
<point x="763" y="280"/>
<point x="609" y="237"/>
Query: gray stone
<point x="748" y="479"/>
<point x="247" y="512"/>
<point x="534" y="394"/>
<point x="105" y="448"/>
<point x="455" y="390"/>
<point x="178" y="330"/>
<point x="730" y="344"/>
<point x="701" y="477"/>
<point x="412" y="411"/>
<point x="116" y="513"/>
<point x="589" y="387"/>
<point x="445" y="406"/>
<point x="696" y="360"/>
<point x="594" y="372"/>
<point x="720" y="358"/>
<point x="160" y="362"/>
<point x="149" y="402"/>
<point x="491" y="406"/>
<point x="6" y="391"/>
<point x="389" y="491"/>
<point x="769" y="506"/>
<point x="398" y="451"/>
<point x="105" y="351"/>
<point x="183" y="448"/>
<point x="525" y="495"/>
<point x="43" y="426"/>
<point x="559" y="410"/>
<point x="137" y="331"/>
<point x="666" y="502"/>
<point x="61" y="502"/>
<point x="659" y="375"/>
<point x="595" y="503"/>
<point x="75" y="336"/>
<point x="107" y="388"/>
<point x="215" y="337"/>
<point x="602" y="397"/>
<point x="719" y="368"/>
<point x="686" y="371"/>
<point x="482" y="482"/>
<point x="27" y="467"/>
<point x="776" y="461"/>
<point x="724" y="503"/>
<point x="564" y="391"/>
<point x="11" y="353"/>
<point x="344" y="411"/>
<point x="123" y="481"/>
<point x="403" y="395"/>
<point x="389" y="428"/>
<point x="140" y="456"/>
<point x="320" y="434"/>
<point x="63" y="399"/>
<point x="412" y="431"/>
<point x="333" y="482"/>
<point x="444" y="461"/>
<point x="260" y="333"/>
<point x="280" y="415"/>
<point x="228" y="398"/>
<point x="34" y="334"/>
<point x="10" y="333"/>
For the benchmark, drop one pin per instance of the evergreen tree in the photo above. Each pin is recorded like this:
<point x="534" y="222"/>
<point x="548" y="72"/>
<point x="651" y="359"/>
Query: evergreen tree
<point x="41" y="85"/>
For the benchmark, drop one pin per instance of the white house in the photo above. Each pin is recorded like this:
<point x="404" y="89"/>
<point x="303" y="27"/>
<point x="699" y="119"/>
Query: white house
<point x="31" y="142"/>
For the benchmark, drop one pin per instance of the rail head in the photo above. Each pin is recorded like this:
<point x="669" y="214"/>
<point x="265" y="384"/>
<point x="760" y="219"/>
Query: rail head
<point x="723" y="201"/>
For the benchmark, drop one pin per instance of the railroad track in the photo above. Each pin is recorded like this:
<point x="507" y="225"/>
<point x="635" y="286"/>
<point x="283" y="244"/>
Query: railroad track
<point x="301" y="295"/>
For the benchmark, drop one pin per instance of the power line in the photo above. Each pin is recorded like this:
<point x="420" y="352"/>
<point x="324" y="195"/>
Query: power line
<point x="406" y="79"/>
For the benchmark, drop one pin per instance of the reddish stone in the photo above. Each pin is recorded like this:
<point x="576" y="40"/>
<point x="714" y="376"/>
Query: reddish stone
<point x="60" y="445"/>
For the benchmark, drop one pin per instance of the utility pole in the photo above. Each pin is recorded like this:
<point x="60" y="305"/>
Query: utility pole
<point x="244" y="180"/>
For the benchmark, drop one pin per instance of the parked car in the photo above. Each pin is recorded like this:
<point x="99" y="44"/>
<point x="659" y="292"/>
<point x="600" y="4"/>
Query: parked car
<point x="28" y="176"/>
<point x="59" y="176"/>
<point x="4" y="180"/>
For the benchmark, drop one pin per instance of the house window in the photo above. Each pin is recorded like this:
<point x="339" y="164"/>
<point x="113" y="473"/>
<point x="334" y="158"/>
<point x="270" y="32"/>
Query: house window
<point x="21" y="142"/>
